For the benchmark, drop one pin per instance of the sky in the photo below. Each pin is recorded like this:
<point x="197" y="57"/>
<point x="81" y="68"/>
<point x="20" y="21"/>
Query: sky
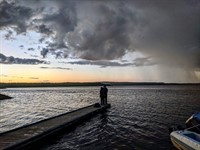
<point x="100" y="40"/>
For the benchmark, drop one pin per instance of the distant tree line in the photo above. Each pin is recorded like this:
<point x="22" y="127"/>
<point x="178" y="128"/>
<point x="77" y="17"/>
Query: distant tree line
<point x="69" y="84"/>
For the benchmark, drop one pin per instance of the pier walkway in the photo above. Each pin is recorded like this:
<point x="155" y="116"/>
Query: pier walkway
<point x="30" y="136"/>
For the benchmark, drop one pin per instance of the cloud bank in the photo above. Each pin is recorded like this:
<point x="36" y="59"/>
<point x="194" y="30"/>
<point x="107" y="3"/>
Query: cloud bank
<point x="166" y="31"/>
<point x="138" y="62"/>
<point x="62" y="68"/>
<point x="12" y="60"/>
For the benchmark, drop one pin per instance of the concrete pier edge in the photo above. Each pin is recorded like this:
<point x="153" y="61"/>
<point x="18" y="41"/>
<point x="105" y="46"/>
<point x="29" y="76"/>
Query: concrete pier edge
<point x="53" y="133"/>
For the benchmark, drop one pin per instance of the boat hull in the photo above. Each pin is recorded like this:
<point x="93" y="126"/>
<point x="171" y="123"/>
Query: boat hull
<point x="185" y="140"/>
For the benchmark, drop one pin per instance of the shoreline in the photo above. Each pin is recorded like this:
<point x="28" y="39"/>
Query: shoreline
<point x="2" y="97"/>
<point x="74" y="84"/>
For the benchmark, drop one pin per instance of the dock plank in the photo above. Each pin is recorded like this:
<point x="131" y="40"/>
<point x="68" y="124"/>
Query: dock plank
<point x="28" y="134"/>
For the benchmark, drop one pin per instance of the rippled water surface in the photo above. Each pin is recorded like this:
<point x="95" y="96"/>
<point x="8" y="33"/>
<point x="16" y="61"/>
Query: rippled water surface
<point x="138" y="118"/>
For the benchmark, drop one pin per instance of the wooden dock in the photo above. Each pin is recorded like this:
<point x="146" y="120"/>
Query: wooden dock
<point x="33" y="135"/>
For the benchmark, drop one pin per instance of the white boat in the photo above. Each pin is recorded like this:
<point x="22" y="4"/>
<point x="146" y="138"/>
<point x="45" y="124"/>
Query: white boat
<point x="185" y="140"/>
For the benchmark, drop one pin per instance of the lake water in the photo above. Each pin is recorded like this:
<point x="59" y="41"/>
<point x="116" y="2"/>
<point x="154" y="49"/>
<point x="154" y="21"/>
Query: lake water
<point x="138" y="119"/>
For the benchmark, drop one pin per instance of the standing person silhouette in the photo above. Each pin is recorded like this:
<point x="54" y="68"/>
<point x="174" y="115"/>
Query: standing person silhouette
<point x="105" y="94"/>
<point x="102" y="96"/>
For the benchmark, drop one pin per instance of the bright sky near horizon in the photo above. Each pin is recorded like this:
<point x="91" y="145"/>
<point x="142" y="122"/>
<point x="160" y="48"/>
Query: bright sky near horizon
<point x="91" y="40"/>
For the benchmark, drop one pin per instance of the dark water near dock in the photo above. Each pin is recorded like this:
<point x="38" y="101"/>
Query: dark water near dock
<point x="138" y="119"/>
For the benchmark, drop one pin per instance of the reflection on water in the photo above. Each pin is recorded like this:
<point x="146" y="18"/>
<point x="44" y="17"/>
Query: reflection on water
<point x="32" y="104"/>
<point x="138" y="118"/>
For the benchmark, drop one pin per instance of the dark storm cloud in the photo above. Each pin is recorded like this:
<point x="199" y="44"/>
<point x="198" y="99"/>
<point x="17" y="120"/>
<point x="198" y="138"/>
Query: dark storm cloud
<point x="108" y="38"/>
<point x="160" y="29"/>
<point x="56" y="68"/>
<point x="12" y="60"/>
<point x="61" y="18"/>
<point x="14" y="16"/>
<point x="166" y="31"/>
<point x="44" y="29"/>
<point x="98" y="30"/>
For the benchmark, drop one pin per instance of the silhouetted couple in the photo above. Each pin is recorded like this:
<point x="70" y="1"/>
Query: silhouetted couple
<point x="103" y="95"/>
